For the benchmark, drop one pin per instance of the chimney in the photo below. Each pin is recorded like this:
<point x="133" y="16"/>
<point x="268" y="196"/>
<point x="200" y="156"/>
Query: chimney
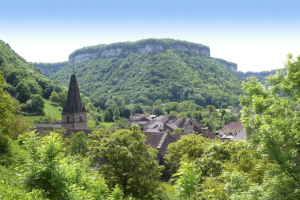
<point x="204" y="132"/>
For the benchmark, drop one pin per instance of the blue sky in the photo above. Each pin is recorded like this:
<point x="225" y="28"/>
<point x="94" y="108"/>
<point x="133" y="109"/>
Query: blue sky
<point x="255" y="34"/>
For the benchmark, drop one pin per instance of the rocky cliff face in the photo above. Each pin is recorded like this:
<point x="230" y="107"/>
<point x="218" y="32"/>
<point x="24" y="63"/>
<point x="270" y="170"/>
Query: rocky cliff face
<point x="195" y="50"/>
<point x="229" y="65"/>
<point x="83" y="57"/>
<point x="148" y="48"/>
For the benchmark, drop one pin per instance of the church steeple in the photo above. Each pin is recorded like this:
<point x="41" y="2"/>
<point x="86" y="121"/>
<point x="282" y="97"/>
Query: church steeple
<point x="73" y="104"/>
<point x="74" y="114"/>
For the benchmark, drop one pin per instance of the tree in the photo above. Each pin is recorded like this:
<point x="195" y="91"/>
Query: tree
<point x="138" y="109"/>
<point x="158" y="110"/>
<point x="191" y="145"/>
<point x="229" y="117"/>
<point x="108" y="115"/>
<point x="182" y="115"/>
<point x="6" y="108"/>
<point x="54" y="97"/>
<point x="173" y="113"/>
<point x="211" y="108"/>
<point x="23" y="92"/>
<point x="34" y="106"/>
<point x="116" y="113"/>
<point x="78" y="144"/>
<point x="123" y="123"/>
<point x="271" y="118"/>
<point x="127" y="162"/>
<point x="223" y="112"/>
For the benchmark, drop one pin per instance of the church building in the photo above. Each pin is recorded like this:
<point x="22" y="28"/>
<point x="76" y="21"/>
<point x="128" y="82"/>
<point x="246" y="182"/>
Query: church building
<point x="74" y="114"/>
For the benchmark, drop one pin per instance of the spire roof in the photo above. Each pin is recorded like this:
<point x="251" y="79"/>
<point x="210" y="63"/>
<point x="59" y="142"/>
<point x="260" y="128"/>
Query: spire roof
<point x="73" y="104"/>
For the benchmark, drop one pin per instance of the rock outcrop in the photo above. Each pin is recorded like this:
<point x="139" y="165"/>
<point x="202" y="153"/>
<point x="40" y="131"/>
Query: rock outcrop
<point x="195" y="50"/>
<point x="150" y="48"/>
<point x="229" y="65"/>
<point x="83" y="57"/>
<point x="111" y="52"/>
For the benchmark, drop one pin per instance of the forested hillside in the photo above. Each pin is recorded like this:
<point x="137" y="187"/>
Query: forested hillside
<point x="24" y="82"/>
<point x="171" y="74"/>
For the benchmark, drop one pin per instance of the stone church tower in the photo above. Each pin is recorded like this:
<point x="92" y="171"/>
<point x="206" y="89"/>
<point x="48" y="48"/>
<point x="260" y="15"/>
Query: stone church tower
<point x="74" y="114"/>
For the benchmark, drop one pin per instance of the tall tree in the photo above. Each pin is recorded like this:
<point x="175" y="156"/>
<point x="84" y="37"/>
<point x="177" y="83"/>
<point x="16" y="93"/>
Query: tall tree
<point x="127" y="162"/>
<point x="271" y="118"/>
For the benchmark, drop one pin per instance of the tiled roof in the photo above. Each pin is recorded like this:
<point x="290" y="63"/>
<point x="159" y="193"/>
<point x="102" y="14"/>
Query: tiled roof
<point x="166" y="119"/>
<point x="234" y="125"/>
<point x="178" y="121"/>
<point x="153" y="138"/>
<point x="172" y="125"/>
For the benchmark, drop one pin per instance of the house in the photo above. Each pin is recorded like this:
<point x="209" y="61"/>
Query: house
<point x="160" y="141"/>
<point x="233" y="131"/>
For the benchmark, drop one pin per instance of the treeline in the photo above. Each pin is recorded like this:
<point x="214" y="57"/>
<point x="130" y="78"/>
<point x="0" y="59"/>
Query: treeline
<point x="25" y="83"/>
<point x="261" y="76"/>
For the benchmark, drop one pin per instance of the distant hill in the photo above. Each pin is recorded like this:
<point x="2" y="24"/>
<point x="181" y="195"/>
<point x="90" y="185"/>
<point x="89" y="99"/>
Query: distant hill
<point x="147" y="70"/>
<point x="48" y="69"/>
<point x="261" y="76"/>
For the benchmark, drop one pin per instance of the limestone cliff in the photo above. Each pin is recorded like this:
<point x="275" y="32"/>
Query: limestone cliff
<point x="229" y="65"/>
<point x="141" y="47"/>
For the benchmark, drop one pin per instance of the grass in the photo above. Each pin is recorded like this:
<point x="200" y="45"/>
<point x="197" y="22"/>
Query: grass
<point x="51" y="110"/>
<point x="54" y="111"/>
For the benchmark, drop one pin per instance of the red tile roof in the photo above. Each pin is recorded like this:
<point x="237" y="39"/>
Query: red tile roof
<point x="234" y="125"/>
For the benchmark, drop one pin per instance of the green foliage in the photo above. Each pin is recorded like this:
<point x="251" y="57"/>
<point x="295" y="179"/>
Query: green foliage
<point x="178" y="130"/>
<point x="78" y="144"/>
<point x="187" y="184"/>
<point x="229" y="117"/>
<point x="158" y="110"/>
<point x="182" y="115"/>
<point x="44" y="171"/>
<point x="125" y="159"/>
<point x="123" y="123"/>
<point x="58" y="176"/>
<point x="34" y="106"/>
<point x="6" y="108"/>
<point x="116" y="113"/>
<point x="23" y="92"/>
<point x="271" y="119"/>
<point x="23" y="79"/>
<point x="191" y="145"/>
<point x="211" y="108"/>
